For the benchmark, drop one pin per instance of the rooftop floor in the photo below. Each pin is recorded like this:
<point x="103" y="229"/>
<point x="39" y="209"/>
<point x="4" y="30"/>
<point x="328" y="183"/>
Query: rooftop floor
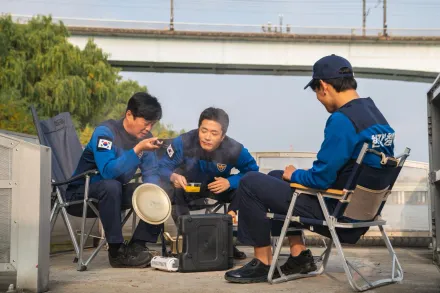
<point x="420" y="275"/>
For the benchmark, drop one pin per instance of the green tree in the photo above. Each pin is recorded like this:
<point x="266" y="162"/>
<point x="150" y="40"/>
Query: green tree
<point x="14" y="115"/>
<point x="116" y="110"/>
<point x="39" y="66"/>
<point x="165" y="131"/>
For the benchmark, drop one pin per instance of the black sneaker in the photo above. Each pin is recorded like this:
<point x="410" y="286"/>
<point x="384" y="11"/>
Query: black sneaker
<point x="301" y="264"/>
<point x="137" y="247"/>
<point x="239" y="254"/>
<point x="141" y="247"/>
<point x="131" y="256"/>
<point x="253" y="272"/>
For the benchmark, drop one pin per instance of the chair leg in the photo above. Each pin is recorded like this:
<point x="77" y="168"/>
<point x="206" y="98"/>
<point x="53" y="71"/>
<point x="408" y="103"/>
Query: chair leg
<point x="68" y="225"/>
<point x="284" y="278"/>
<point x="276" y="255"/>
<point x="130" y="212"/>
<point x="326" y="255"/>
<point x="274" y="240"/>
<point x="393" y="255"/>
<point x="66" y="220"/>
<point x="273" y="243"/>
<point x="347" y="265"/>
<point x="81" y="266"/>
<point x="104" y="241"/>
<point x="279" y="245"/>
<point x="213" y="210"/>
<point x="95" y="252"/>
<point x="133" y="223"/>
<point x="54" y="215"/>
<point x="90" y="230"/>
<point x="102" y="232"/>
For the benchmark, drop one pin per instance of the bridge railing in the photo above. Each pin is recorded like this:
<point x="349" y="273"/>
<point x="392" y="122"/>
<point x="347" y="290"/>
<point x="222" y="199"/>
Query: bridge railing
<point x="238" y="28"/>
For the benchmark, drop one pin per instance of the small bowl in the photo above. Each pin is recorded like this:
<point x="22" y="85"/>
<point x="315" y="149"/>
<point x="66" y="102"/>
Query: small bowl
<point x="193" y="187"/>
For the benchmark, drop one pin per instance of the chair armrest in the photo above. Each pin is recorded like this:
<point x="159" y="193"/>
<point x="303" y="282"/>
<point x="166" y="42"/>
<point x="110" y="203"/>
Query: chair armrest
<point x="76" y="177"/>
<point x="334" y="193"/>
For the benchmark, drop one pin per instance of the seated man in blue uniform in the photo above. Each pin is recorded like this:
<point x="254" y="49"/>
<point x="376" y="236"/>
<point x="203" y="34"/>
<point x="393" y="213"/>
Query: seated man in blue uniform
<point x="117" y="149"/>
<point x="206" y="155"/>
<point x="353" y="121"/>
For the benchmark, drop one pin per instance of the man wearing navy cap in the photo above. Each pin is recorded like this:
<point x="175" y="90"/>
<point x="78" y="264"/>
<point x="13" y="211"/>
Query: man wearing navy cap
<point x="353" y="121"/>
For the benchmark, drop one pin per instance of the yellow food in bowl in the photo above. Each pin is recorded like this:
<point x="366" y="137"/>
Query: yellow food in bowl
<point x="193" y="187"/>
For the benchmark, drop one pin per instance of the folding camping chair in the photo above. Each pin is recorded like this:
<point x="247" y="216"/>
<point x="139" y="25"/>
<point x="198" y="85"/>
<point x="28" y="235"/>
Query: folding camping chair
<point x="59" y="134"/>
<point x="355" y="202"/>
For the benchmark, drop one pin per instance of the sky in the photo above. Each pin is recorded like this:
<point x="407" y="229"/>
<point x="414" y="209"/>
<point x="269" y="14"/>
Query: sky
<point x="267" y="113"/>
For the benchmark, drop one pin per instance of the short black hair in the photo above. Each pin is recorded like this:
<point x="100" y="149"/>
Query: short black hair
<point x="340" y="84"/>
<point x="217" y="115"/>
<point x="145" y="106"/>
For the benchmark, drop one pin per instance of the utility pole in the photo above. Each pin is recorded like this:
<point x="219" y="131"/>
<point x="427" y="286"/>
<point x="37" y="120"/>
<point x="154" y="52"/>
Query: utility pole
<point x="172" y="15"/>
<point x="384" y="18"/>
<point x="364" y="16"/>
<point x="281" y="22"/>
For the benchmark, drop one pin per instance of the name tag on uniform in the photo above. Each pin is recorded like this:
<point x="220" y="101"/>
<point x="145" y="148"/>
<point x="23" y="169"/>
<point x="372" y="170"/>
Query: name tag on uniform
<point x="382" y="140"/>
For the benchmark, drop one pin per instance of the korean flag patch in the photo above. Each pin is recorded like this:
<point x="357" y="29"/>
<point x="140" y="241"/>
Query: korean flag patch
<point x="170" y="151"/>
<point x="104" y="144"/>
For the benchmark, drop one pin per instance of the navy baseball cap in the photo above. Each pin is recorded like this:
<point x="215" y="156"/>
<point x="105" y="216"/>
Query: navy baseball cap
<point x="330" y="67"/>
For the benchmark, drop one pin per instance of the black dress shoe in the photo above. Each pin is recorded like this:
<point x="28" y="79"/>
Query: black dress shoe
<point x="239" y="254"/>
<point x="253" y="272"/>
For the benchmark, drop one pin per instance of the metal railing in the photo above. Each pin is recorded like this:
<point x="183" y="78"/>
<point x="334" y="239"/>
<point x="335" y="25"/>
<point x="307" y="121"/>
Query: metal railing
<point x="237" y="28"/>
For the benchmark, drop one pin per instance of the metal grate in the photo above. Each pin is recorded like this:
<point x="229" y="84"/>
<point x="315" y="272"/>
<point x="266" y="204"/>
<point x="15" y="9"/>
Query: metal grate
<point x="5" y="224"/>
<point x="5" y="163"/>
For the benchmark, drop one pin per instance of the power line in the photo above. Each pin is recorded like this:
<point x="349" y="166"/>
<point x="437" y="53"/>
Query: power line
<point x="271" y="2"/>
<point x="289" y="8"/>
<point x="161" y="6"/>
<point x="254" y="4"/>
<point x="384" y="17"/>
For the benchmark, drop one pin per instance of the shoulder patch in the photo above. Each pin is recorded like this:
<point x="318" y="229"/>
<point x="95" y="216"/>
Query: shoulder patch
<point x="170" y="151"/>
<point x="104" y="143"/>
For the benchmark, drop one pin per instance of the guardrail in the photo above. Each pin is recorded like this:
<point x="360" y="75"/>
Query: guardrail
<point x="238" y="28"/>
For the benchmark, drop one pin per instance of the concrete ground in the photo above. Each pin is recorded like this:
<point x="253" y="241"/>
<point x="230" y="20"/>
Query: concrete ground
<point x="420" y="275"/>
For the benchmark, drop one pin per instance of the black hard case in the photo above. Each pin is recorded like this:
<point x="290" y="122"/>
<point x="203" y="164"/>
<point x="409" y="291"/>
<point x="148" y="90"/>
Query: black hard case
<point x="207" y="243"/>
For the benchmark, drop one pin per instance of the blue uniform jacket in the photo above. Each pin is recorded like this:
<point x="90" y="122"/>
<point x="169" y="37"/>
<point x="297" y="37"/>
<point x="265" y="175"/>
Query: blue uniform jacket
<point x="110" y="150"/>
<point x="197" y="165"/>
<point x="346" y="131"/>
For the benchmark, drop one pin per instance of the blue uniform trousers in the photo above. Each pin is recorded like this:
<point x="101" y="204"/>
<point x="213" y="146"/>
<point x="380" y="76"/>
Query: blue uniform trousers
<point x="259" y="193"/>
<point x="114" y="197"/>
